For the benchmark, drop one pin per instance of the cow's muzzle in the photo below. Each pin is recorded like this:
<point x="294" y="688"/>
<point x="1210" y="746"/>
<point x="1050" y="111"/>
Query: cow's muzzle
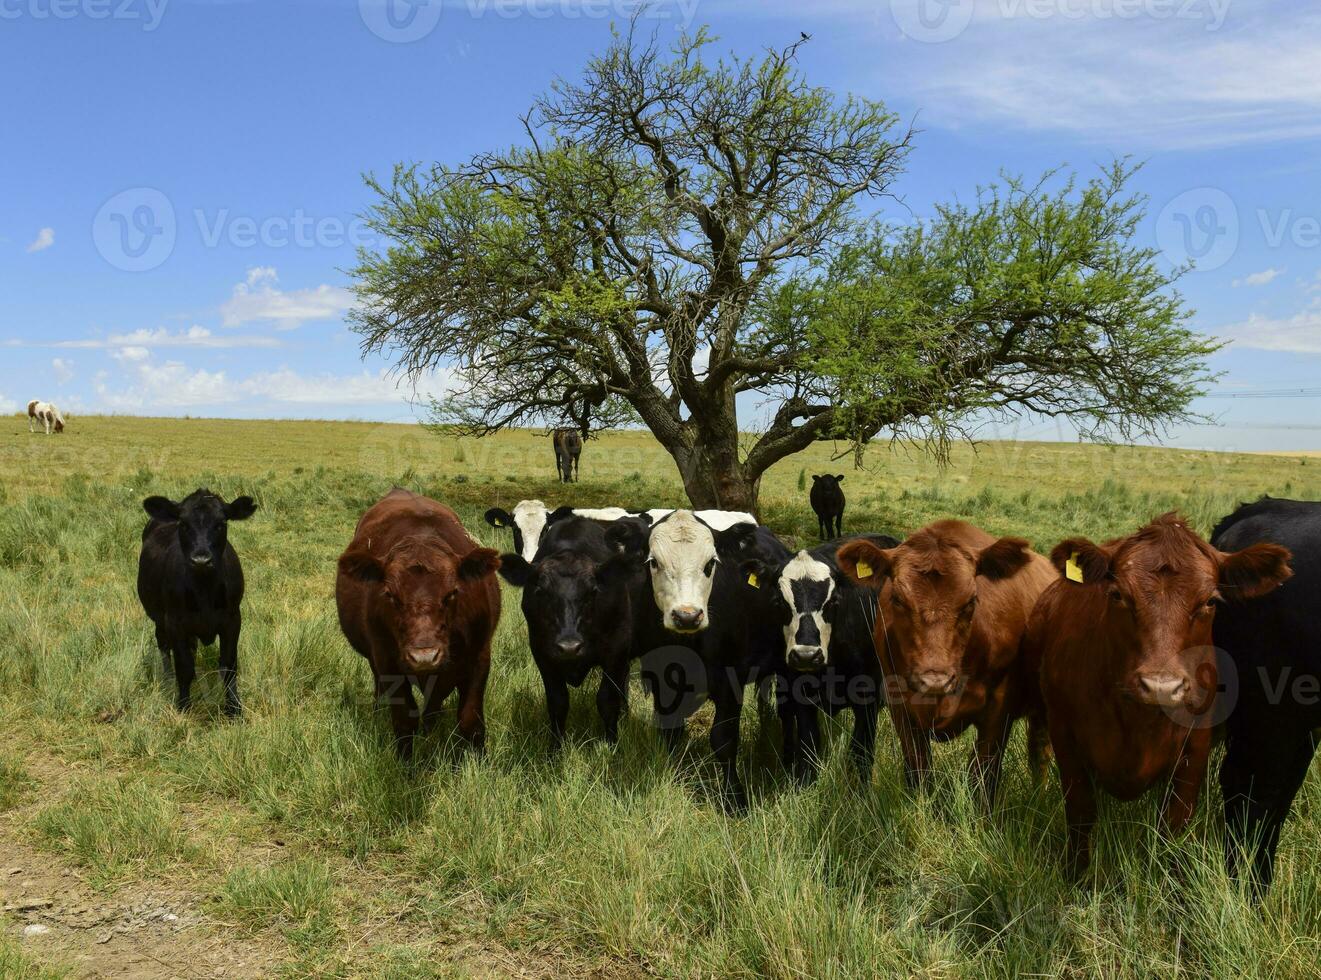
<point x="687" y="619"/>
<point x="806" y="658"/>
<point x="933" y="682"/>
<point x="423" y="658"/>
<point x="1167" y="690"/>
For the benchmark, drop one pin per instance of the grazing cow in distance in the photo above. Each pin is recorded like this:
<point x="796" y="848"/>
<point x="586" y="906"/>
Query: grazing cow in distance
<point x="419" y="599"/>
<point x="829" y="654"/>
<point x="828" y="502"/>
<point x="568" y="445"/>
<point x="1123" y="644"/>
<point x="1274" y="643"/>
<point x="190" y="583"/>
<point x="578" y="607"/>
<point x="953" y="604"/>
<point x="531" y="517"/>
<point x="699" y="621"/>
<point x="45" y="414"/>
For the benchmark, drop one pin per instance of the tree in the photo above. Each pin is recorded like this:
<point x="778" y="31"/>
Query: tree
<point x="676" y="234"/>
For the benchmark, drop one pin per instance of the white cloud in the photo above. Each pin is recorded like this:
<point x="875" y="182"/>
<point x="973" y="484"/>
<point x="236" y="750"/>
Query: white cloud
<point x="1261" y="278"/>
<point x="1298" y="334"/>
<point x="44" y="240"/>
<point x="174" y="385"/>
<point x="1164" y="74"/>
<point x="7" y="405"/>
<point x="194" y="336"/>
<point x="63" y="370"/>
<point x="258" y="299"/>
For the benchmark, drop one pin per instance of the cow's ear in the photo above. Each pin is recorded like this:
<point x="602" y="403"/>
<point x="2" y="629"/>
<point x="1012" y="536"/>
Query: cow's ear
<point x="240" y="509"/>
<point x="1082" y="561"/>
<point x="621" y="566"/>
<point x="815" y="477"/>
<point x="161" y="508"/>
<point x="735" y="538"/>
<point x="499" y="517"/>
<point x="1004" y="558"/>
<point x="558" y="514"/>
<point x="516" y="570"/>
<point x="362" y="566"/>
<point x="864" y="563"/>
<point x="754" y="572"/>
<point x="839" y="477"/>
<point x="628" y="536"/>
<point x="1254" y="571"/>
<point x="477" y="563"/>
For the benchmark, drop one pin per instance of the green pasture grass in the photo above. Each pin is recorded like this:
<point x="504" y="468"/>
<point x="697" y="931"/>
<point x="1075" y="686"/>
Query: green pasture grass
<point x="617" y="861"/>
<point x="17" y="964"/>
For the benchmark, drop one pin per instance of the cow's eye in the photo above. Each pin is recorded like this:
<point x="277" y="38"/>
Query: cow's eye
<point x="898" y="601"/>
<point x="651" y="563"/>
<point x="970" y="606"/>
<point x="710" y="568"/>
<point x="1115" y="595"/>
<point x="391" y="596"/>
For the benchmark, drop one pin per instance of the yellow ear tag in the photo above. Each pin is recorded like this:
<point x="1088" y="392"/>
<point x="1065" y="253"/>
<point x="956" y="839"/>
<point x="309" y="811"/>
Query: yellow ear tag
<point x="864" y="570"/>
<point x="1072" y="571"/>
<point x="752" y="579"/>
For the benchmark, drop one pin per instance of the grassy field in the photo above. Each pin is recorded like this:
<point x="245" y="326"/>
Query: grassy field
<point x="292" y="842"/>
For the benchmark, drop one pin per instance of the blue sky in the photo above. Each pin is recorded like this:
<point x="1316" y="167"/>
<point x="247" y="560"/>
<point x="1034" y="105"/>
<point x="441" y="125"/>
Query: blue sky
<point x="181" y="177"/>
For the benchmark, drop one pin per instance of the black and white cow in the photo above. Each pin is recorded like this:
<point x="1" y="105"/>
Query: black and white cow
<point x="529" y="520"/>
<point x="577" y="601"/>
<point x="828" y="653"/>
<point x="700" y="633"/>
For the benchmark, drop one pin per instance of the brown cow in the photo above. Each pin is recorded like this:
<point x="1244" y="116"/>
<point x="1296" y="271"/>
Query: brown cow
<point x="953" y="604"/>
<point x="419" y="599"/>
<point x="568" y="446"/>
<point x="1127" y="668"/>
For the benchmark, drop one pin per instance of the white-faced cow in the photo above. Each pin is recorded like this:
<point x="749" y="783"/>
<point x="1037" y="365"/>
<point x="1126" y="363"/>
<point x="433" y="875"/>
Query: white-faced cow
<point x="577" y="601"/>
<point x="829" y="656"/>
<point x="190" y="583"/>
<point x="700" y="606"/>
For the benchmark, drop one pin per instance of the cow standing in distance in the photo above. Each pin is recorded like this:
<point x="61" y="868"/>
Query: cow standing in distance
<point x="953" y="604"/>
<point x="419" y="599"/>
<point x="1123" y="648"/>
<point x="577" y="601"/>
<point x="699" y="621"/>
<point x="1275" y="644"/>
<point x="568" y="446"/>
<point x="190" y="583"/>
<point x="44" y="414"/>
<point x="829" y="654"/>
<point x="827" y="500"/>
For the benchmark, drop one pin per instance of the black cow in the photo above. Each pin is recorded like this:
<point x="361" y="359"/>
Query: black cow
<point x="577" y="603"/>
<point x="1274" y="643"/>
<point x="828" y="502"/>
<point x="829" y="657"/>
<point x="190" y="583"/>
<point x="695" y="628"/>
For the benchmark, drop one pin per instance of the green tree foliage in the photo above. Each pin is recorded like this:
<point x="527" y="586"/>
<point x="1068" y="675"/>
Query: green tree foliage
<point x="675" y="235"/>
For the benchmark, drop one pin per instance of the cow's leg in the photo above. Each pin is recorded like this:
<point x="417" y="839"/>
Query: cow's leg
<point x="786" y="709"/>
<point x="727" y="694"/>
<point x="809" y="743"/>
<point x="185" y="669"/>
<point x="1261" y="774"/>
<point x="229" y="663"/>
<point x="167" y="657"/>
<point x="915" y="743"/>
<point x="557" y="705"/>
<point x="612" y="696"/>
<point x="1186" y="784"/>
<point x="396" y="691"/>
<point x="472" y="701"/>
<point x="435" y="691"/>
<point x="862" y="743"/>
<point x="988" y="753"/>
<point x="1079" y="802"/>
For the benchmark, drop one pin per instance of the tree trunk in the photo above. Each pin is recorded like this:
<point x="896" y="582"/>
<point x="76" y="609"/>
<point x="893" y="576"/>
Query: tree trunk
<point x="714" y="478"/>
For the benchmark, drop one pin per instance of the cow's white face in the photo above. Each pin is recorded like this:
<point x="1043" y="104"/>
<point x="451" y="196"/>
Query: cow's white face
<point x="808" y="589"/>
<point x="683" y="565"/>
<point x="529" y="522"/>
